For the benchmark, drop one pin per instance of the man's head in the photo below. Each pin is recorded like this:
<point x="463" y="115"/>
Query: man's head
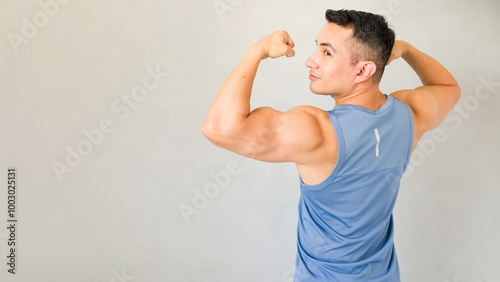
<point x="357" y="45"/>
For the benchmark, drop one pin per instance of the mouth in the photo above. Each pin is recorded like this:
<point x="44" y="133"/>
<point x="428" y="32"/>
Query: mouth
<point x="313" y="77"/>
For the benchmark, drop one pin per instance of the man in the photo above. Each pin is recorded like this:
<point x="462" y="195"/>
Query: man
<point x="350" y="159"/>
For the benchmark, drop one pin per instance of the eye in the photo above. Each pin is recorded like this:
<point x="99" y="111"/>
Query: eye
<point x="326" y="53"/>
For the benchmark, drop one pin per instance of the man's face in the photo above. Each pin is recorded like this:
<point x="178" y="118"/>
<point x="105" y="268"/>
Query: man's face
<point x="331" y="70"/>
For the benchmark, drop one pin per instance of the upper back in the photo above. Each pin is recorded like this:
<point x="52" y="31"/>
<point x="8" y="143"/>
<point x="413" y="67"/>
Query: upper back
<point x="345" y="220"/>
<point x="373" y="140"/>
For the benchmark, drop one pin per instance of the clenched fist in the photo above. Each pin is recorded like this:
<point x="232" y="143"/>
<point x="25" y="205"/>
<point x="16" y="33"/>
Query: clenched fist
<point x="275" y="45"/>
<point x="398" y="50"/>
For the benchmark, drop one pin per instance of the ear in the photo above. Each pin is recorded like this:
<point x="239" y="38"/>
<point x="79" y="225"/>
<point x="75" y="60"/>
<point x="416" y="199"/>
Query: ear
<point x="366" y="70"/>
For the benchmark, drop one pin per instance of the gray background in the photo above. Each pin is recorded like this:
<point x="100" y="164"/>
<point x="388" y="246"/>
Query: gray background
<point x="116" y="216"/>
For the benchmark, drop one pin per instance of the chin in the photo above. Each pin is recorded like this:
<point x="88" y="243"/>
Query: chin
<point x="313" y="90"/>
<point x="318" y="91"/>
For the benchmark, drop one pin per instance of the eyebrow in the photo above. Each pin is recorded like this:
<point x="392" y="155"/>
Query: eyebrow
<point x="327" y="44"/>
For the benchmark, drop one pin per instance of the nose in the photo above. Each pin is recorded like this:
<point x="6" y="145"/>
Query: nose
<point x="311" y="62"/>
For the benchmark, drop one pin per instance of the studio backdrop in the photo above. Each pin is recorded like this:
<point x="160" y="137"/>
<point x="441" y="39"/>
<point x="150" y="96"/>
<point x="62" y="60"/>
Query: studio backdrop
<point x="105" y="175"/>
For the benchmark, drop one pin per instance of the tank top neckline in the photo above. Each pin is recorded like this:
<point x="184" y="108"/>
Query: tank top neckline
<point x="388" y="102"/>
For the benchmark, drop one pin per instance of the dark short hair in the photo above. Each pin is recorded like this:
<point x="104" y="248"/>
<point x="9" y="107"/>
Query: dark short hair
<point x="372" y="34"/>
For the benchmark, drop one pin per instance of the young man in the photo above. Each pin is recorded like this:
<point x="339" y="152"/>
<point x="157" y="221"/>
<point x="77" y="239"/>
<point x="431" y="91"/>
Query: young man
<point x="350" y="159"/>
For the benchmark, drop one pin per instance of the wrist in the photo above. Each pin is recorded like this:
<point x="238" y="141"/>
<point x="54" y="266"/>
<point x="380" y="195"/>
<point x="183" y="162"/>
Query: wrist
<point x="406" y="50"/>
<point x="255" y="51"/>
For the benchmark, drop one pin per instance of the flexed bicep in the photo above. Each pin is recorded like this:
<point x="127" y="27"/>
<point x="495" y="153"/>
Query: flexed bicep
<point x="273" y="136"/>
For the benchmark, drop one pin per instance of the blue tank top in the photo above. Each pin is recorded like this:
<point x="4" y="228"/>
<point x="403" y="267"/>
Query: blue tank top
<point x="345" y="226"/>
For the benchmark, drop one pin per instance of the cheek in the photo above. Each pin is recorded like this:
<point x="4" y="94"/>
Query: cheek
<point x="339" y="73"/>
<point x="330" y="70"/>
<point x="330" y="75"/>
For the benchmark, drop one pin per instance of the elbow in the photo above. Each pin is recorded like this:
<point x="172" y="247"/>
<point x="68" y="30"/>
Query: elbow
<point x="214" y="132"/>
<point x="207" y="129"/>
<point x="457" y="93"/>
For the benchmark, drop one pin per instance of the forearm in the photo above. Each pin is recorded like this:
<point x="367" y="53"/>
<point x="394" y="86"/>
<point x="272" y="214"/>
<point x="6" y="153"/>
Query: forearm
<point x="428" y="69"/>
<point x="229" y="113"/>
<point x="431" y="102"/>
<point x="231" y="104"/>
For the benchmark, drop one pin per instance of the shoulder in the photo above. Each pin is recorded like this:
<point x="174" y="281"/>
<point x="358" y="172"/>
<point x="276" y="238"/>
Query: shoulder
<point x="309" y="118"/>
<point x="305" y="109"/>
<point x="423" y="109"/>
<point x="303" y="128"/>
<point x="307" y="113"/>
<point x="314" y="126"/>
<point x="319" y="135"/>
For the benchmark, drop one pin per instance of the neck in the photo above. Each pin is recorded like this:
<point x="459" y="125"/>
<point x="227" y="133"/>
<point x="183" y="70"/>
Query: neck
<point x="370" y="98"/>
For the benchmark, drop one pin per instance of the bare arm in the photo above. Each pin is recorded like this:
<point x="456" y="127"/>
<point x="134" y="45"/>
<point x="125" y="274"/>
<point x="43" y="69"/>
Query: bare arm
<point x="264" y="133"/>
<point x="431" y="102"/>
